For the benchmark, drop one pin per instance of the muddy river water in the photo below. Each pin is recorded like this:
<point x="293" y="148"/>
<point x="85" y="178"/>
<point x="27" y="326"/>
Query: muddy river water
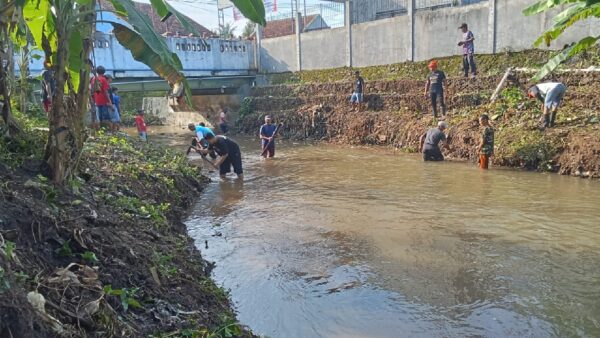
<point x="330" y="241"/>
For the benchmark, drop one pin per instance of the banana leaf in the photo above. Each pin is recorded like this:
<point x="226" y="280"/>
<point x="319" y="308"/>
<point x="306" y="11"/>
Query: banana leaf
<point x="143" y="52"/>
<point x="252" y="9"/>
<point x="561" y="57"/>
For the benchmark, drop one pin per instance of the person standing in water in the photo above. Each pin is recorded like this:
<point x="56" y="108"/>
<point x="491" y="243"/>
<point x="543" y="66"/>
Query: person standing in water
<point x="267" y="137"/>
<point x="229" y="154"/>
<point x="486" y="143"/>
<point x="223" y="122"/>
<point x="436" y="81"/>
<point x="141" y="125"/>
<point x="200" y="133"/>
<point x="429" y="143"/>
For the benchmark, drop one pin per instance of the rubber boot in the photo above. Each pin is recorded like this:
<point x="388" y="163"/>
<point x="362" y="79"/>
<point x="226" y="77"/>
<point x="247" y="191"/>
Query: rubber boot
<point x="546" y="121"/>
<point x="552" y="119"/>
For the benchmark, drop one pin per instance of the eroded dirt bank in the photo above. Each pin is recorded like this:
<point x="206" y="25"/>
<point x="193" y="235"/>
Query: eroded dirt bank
<point x="106" y="256"/>
<point x="398" y="113"/>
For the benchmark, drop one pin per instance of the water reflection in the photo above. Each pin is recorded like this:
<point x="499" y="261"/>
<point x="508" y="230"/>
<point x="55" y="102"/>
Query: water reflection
<point x="336" y="242"/>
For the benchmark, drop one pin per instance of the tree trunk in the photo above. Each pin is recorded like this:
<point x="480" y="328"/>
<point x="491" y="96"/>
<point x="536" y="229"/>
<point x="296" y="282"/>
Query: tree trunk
<point x="61" y="147"/>
<point x="5" y="107"/>
<point x="24" y="85"/>
<point x="67" y="129"/>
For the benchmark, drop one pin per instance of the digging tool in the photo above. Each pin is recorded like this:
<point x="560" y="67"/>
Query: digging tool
<point x="203" y="157"/>
<point x="272" y="139"/>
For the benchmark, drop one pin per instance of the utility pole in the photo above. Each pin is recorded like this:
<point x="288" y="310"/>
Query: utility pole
<point x="298" y="42"/>
<point x="258" y="46"/>
<point x="348" y="23"/>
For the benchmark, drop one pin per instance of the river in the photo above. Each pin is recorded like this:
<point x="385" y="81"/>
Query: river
<point x="332" y="241"/>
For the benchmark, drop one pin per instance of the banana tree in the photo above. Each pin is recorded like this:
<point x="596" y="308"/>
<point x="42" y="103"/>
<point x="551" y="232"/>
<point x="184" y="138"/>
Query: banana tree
<point x="63" y="30"/>
<point x="8" y="17"/>
<point x="572" y="12"/>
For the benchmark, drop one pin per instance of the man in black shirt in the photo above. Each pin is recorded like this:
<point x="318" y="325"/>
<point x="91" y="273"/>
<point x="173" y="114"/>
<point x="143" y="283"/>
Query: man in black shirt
<point x="436" y="81"/>
<point x="229" y="154"/>
<point x="357" y="96"/>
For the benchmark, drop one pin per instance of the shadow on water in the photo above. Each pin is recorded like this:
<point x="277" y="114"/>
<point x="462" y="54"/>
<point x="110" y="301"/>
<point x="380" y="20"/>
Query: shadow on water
<point x="328" y="241"/>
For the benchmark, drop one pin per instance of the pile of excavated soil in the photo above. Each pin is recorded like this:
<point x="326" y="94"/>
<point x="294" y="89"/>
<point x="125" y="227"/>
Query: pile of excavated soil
<point x="106" y="255"/>
<point x="397" y="113"/>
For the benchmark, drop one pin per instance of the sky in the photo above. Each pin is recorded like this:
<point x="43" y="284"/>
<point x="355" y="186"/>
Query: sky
<point x="205" y="11"/>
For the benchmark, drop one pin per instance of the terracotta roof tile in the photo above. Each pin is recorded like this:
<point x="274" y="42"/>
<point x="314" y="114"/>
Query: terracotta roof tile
<point x="283" y="27"/>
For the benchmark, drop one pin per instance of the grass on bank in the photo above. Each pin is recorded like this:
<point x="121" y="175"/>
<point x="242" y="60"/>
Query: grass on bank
<point x="487" y="64"/>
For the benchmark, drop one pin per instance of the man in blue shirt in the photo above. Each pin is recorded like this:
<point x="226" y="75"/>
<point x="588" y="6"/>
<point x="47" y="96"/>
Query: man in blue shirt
<point x="201" y="132"/>
<point x="267" y="137"/>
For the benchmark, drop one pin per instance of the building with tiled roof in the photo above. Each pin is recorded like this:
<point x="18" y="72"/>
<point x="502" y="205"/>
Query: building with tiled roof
<point x="283" y="27"/>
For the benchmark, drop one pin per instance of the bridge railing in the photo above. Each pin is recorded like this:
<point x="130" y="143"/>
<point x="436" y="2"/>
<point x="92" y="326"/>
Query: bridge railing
<point x="199" y="57"/>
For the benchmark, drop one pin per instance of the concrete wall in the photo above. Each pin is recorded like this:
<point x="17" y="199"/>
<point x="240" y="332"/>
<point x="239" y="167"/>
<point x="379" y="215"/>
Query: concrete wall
<point x="381" y="42"/>
<point x="279" y="54"/>
<point x="331" y="53"/>
<point x="498" y="25"/>
<point x="437" y="33"/>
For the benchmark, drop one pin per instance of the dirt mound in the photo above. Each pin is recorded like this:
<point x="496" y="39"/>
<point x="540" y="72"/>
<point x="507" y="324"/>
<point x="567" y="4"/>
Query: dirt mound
<point x="106" y="256"/>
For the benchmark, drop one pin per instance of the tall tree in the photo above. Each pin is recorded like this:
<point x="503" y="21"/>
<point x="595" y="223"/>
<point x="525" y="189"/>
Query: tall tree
<point x="572" y="12"/>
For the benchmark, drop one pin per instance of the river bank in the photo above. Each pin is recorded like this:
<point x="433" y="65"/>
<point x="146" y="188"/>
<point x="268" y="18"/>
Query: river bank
<point x="107" y="255"/>
<point x="315" y="105"/>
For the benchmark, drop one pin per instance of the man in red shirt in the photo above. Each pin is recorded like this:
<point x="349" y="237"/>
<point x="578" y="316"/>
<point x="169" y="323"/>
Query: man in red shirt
<point x="100" y="89"/>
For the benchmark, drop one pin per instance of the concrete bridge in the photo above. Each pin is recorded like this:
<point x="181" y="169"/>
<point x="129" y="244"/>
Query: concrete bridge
<point x="215" y="66"/>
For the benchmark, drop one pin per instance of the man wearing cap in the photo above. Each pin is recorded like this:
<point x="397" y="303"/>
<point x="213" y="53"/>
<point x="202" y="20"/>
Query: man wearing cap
<point x="436" y="81"/>
<point x="103" y="101"/>
<point x="551" y="95"/>
<point x="468" y="48"/>
<point x="429" y="143"/>
<point x="357" y="95"/>
<point x="267" y="137"/>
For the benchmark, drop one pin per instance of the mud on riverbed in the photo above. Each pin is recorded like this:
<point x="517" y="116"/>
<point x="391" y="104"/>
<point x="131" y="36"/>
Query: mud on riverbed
<point x="106" y="256"/>
<point x="397" y="113"/>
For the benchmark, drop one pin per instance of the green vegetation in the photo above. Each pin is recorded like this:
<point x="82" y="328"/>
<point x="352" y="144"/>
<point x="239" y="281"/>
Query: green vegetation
<point x="487" y="64"/>
<point x="126" y="296"/>
<point x="571" y="12"/>
<point x="246" y="108"/>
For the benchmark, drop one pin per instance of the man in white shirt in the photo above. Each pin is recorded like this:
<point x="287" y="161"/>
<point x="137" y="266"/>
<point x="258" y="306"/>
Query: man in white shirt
<point x="551" y="95"/>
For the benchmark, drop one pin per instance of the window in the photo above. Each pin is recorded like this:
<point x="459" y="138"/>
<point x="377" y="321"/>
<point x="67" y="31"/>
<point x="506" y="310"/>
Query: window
<point x="208" y="48"/>
<point x="106" y="44"/>
<point x="194" y="47"/>
<point x="177" y="46"/>
<point x="189" y="47"/>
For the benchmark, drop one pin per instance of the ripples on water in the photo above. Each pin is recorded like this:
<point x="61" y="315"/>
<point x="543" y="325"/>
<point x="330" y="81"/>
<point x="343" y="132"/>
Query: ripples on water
<point x="338" y="242"/>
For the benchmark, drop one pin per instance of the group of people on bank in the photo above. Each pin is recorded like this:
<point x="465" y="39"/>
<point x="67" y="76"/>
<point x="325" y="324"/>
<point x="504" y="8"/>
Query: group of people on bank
<point x="550" y="94"/>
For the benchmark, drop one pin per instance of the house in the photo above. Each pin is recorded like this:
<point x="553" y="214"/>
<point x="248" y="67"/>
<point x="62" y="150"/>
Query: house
<point x="170" y="27"/>
<point x="283" y="27"/>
